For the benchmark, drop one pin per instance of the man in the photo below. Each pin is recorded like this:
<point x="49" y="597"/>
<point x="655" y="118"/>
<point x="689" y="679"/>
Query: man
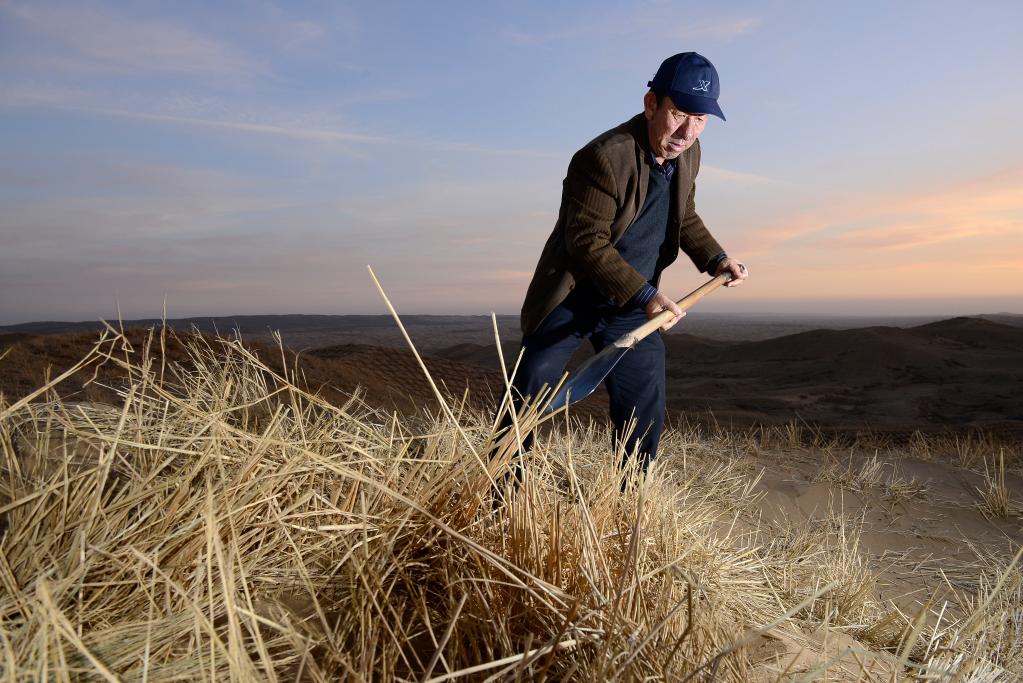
<point x="627" y="209"/>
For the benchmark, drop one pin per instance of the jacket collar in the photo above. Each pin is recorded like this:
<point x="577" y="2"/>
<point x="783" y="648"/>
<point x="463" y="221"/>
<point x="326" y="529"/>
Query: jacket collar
<point x="638" y="129"/>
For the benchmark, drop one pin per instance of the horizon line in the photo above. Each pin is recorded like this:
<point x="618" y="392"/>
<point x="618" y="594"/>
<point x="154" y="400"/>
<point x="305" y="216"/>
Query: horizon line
<point x="730" y="314"/>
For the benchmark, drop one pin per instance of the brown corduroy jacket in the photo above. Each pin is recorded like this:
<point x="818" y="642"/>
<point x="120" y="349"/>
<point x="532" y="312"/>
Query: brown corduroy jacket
<point x="603" y="191"/>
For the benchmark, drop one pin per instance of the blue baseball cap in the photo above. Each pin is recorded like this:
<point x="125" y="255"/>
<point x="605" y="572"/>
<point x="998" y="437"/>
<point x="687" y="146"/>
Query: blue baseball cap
<point x="691" y="81"/>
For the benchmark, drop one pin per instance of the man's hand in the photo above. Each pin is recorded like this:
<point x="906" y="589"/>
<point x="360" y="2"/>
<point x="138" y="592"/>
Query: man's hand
<point x="660" y="303"/>
<point x="737" y="269"/>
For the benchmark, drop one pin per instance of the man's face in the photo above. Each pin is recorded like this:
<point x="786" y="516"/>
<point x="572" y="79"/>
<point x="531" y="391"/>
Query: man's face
<point x="672" y="131"/>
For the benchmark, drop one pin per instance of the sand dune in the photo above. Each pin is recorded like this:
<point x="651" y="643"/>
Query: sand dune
<point x="963" y="373"/>
<point x="958" y="373"/>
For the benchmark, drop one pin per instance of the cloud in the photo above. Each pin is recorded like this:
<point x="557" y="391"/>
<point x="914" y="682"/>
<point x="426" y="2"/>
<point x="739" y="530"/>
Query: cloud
<point x="929" y="230"/>
<point x="78" y="175"/>
<point x="92" y="38"/>
<point x="983" y="208"/>
<point x="80" y="101"/>
<point x="40" y="96"/>
<point x="997" y="262"/>
<point x="310" y="134"/>
<point x="706" y="29"/>
<point x="305" y="31"/>
<point x="94" y="211"/>
<point x="376" y="95"/>
<point x="212" y="284"/>
<point x="518" y="36"/>
<point x="716" y="29"/>
<point x="447" y="146"/>
<point x="221" y="242"/>
<point x="506" y="277"/>
<point x="76" y="100"/>
<point x="724" y="175"/>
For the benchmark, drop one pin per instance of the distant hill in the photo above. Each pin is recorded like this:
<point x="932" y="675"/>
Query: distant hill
<point x="961" y="373"/>
<point x="306" y="331"/>
<point x="439" y="332"/>
<point x="957" y="373"/>
<point x="1013" y="319"/>
<point x="386" y="377"/>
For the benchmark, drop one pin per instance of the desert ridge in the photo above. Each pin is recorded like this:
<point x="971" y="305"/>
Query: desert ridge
<point x="955" y="374"/>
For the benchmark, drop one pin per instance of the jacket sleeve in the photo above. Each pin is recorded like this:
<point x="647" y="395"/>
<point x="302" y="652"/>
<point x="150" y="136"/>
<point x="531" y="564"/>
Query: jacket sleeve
<point x="591" y="204"/>
<point x="693" y="237"/>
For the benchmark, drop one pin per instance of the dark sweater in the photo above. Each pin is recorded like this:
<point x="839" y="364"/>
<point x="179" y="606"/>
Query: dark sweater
<point x="641" y="244"/>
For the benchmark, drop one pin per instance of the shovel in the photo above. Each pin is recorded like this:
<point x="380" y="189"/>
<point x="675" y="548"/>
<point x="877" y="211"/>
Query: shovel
<point x="590" y="374"/>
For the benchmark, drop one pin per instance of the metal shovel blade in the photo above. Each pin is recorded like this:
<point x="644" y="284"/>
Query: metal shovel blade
<point x="590" y="374"/>
<point x="587" y="377"/>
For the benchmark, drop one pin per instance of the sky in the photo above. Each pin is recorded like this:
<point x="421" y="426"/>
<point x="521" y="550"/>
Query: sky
<point x="238" y="158"/>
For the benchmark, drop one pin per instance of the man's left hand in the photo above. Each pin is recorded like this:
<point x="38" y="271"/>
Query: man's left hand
<point x="738" y="270"/>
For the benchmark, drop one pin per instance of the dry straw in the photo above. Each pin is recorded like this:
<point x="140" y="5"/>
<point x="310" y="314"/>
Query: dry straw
<point x="995" y="498"/>
<point x="222" y="523"/>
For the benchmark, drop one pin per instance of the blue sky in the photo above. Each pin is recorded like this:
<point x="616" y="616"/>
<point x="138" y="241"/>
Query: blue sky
<point x="254" y="157"/>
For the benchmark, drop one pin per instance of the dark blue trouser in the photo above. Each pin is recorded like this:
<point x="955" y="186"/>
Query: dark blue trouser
<point x="636" y="385"/>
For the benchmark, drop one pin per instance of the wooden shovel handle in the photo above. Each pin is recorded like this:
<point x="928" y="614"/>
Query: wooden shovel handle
<point x="684" y="303"/>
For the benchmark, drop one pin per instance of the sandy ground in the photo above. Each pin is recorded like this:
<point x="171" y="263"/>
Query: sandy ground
<point x="915" y="519"/>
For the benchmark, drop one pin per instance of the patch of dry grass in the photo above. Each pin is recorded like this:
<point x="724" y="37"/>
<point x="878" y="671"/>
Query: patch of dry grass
<point x="968" y="449"/>
<point x="873" y="474"/>
<point x="988" y="643"/>
<point x="995" y="498"/>
<point x="222" y="523"/>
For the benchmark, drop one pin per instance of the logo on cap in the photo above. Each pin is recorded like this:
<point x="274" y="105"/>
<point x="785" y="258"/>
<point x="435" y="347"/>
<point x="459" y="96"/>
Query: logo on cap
<point x="703" y="86"/>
